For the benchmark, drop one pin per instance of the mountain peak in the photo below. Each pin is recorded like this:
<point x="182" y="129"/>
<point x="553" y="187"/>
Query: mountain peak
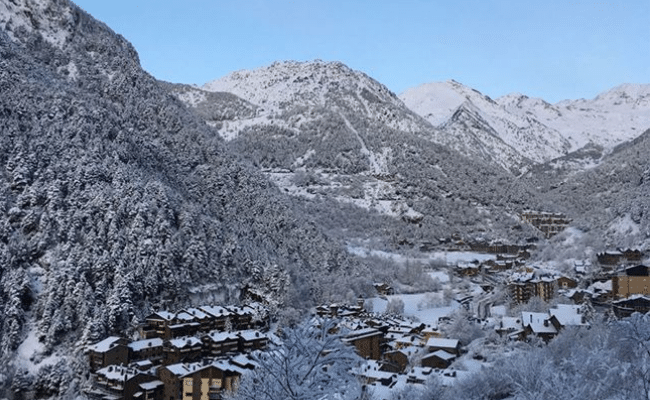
<point x="304" y="83"/>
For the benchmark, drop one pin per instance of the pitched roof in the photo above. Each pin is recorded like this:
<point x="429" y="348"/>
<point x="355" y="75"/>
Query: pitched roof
<point x="142" y="344"/>
<point x="443" y="343"/>
<point x="105" y="344"/>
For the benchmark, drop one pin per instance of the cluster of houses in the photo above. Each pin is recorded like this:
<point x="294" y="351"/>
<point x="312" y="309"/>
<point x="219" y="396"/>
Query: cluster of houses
<point x="542" y="325"/>
<point x="195" y="353"/>
<point x="548" y="223"/>
<point x="394" y="348"/>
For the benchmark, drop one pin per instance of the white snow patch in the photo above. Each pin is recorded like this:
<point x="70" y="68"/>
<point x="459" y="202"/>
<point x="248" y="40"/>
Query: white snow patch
<point x="30" y="351"/>
<point x="624" y="226"/>
<point x="411" y="308"/>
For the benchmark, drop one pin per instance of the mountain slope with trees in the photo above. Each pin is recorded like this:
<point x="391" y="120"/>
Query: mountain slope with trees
<point x="117" y="200"/>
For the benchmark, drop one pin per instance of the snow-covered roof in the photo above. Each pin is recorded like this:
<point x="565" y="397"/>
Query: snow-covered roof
<point x="243" y="360"/>
<point x="443" y="343"/>
<point x="441" y="354"/>
<point x="151" y="385"/>
<point x="105" y="344"/>
<point x="567" y="314"/>
<point x="538" y="322"/>
<point x="224" y="365"/>
<point x="218" y="336"/>
<point x="216" y="311"/>
<point x="509" y="323"/>
<point x="602" y="286"/>
<point x="196" y="312"/>
<point x="117" y="373"/>
<point x="165" y="315"/>
<point x="182" y="369"/>
<point x="184" y="316"/>
<point x="362" y="333"/>
<point x="142" y="344"/>
<point x="185" y="342"/>
<point x="251" y="335"/>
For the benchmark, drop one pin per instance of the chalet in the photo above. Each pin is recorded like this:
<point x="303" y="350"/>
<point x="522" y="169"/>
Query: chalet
<point x="564" y="282"/>
<point x="201" y="317"/>
<point x="438" y="359"/>
<point x="251" y="340"/>
<point x="549" y="223"/>
<point x="218" y="317"/>
<point x="150" y="391"/>
<point x="120" y="381"/>
<point x="110" y="351"/>
<point x="635" y="303"/>
<point x="198" y="380"/>
<point x="242" y="318"/>
<point x="384" y="289"/>
<point x="582" y="266"/>
<point x="538" y="324"/>
<point x="619" y="256"/>
<point x="220" y="343"/>
<point x="182" y="350"/>
<point x="564" y="315"/>
<point x="602" y="291"/>
<point x="524" y="287"/>
<point x="468" y="269"/>
<point x="428" y="332"/>
<point x="181" y="329"/>
<point x="395" y="361"/>
<point x="451" y="346"/>
<point x="155" y="324"/>
<point x="509" y="326"/>
<point x="147" y="349"/>
<point x="367" y="342"/>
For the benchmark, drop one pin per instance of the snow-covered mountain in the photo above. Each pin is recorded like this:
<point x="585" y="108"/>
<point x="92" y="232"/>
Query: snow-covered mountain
<point x="464" y="112"/>
<point x="529" y="128"/>
<point x="294" y="87"/>
<point x="611" y="118"/>
<point x="335" y="137"/>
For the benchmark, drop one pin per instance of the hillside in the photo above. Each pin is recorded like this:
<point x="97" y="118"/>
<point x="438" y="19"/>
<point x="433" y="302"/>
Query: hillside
<point x="117" y="200"/>
<point x="367" y="167"/>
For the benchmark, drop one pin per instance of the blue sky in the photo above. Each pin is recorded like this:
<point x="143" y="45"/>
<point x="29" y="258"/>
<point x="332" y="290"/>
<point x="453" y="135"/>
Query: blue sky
<point x="554" y="49"/>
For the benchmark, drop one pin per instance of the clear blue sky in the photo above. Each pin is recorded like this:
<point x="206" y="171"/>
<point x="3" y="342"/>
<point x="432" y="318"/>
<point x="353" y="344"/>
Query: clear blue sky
<point x="554" y="49"/>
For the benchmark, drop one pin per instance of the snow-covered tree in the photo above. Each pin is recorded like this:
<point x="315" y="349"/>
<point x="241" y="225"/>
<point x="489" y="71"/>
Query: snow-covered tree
<point x="311" y="363"/>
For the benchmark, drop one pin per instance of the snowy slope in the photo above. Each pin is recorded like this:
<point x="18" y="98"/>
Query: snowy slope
<point x="290" y="87"/>
<point x="439" y="103"/>
<point x="613" y="117"/>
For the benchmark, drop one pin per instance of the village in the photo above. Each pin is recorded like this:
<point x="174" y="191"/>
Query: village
<point x="198" y="353"/>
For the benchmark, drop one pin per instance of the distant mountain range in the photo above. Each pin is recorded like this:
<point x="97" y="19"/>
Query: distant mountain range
<point x="518" y="131"/>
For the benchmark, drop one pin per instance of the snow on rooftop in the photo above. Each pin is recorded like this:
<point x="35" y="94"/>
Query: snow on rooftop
<point x="251" y="335"/>
<point x="142" y="344"/>
<point x="151" y="385"/>
<point x="105" y="344"/>
<point x="218" y="336"/>
<point x="443" y="355"/>
<point x="185" y="342"/>
<point x="439" y="342"/>
<point x="567" y="314"/>
<point x="197" y="313"/>
<point x="216" y="311"/>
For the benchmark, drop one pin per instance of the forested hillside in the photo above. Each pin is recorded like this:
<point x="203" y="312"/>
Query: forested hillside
<point x="116" y="200"/>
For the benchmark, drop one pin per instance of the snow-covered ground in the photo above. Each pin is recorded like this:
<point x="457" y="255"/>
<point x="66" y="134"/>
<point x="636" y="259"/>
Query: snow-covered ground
<point x="449" y="257"/>
<point x="30" y="353"/>
<point x="413" y="308"/>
